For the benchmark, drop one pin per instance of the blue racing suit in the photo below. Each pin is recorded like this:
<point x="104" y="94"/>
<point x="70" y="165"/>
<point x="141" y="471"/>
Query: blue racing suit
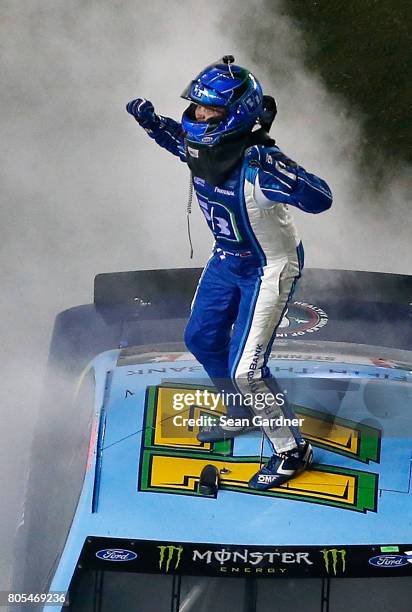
<point x="257" y="258"/>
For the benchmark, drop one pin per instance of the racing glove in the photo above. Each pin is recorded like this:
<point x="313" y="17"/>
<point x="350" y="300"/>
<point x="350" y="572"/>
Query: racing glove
<point x="143" y="111"/>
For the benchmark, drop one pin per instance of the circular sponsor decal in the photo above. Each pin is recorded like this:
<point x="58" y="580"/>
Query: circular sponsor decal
<point x="301" y="318"/>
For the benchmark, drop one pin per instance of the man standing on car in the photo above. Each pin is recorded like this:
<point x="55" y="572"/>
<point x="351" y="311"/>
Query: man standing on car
<point x="244" y="184"/>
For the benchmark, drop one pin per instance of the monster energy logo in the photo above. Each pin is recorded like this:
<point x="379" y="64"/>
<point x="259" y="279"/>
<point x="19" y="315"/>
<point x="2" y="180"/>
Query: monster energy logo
<point x="169" y="554"/>
<point x="333" y="554"/>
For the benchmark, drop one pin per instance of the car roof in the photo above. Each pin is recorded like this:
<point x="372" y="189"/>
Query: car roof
<point x="146" y="468"/>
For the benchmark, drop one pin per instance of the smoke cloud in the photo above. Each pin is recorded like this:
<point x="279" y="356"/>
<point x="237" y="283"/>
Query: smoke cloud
<point x="365" y="229"/>
<point x="85" y="190"/>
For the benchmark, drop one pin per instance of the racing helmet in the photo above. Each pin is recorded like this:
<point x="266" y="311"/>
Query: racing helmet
<point x="228" y="86"/>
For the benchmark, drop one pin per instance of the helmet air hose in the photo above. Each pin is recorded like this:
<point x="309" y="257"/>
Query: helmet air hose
<point x="229" y="59"/>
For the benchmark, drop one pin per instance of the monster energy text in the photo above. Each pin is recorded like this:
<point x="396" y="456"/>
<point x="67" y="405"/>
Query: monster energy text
<point x="251" y="560"/>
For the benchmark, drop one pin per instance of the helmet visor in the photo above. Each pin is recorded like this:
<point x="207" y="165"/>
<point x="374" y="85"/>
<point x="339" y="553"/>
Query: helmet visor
<point x="186" y="92"/>
<point x="203" y="94"/>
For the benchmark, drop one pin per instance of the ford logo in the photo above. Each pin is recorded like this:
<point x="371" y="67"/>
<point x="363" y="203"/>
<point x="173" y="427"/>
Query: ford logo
<point x="116" y="554"/>
<point x="388" y="561"/>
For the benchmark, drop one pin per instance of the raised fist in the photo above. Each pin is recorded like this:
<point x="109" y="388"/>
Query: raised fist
<point x="142" y="110"/>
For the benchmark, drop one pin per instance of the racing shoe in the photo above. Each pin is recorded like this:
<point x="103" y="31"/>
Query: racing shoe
<point x="282" y="467"/>
<point x="214" y="433"/>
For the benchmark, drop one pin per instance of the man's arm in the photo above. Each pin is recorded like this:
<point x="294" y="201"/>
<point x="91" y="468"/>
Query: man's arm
<point x="280" y="179"/>
<point x="165" y="131"/>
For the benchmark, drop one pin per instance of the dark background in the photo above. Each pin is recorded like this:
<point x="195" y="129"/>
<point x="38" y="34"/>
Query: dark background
<point x="362" y="51"/>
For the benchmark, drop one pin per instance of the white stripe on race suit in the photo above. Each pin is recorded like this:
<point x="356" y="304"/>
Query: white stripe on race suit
<point x="272" y="224"/>
<point x="276" y="234"/>
<point x="281" y="168"/>
<point x="274" y="290"/>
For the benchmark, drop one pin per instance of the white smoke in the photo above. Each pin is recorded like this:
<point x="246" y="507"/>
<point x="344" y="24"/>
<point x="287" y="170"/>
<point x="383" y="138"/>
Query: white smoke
<point x="367" y="228"/>
<point x="86" y="191"/>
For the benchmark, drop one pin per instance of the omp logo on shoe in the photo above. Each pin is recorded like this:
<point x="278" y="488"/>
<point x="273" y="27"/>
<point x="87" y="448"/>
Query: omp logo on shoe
<point x="301" y="318"/>
<point x="170" y="557"/>
<point x="266" y="478"/>
<point x="335" y="560"/>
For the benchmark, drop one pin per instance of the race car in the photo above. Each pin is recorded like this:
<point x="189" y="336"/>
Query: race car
<point x="126" y="509"/>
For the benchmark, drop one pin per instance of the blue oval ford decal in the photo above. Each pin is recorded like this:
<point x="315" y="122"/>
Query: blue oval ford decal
<point x="389" y="561"/>
<point x="116" y="554"/>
